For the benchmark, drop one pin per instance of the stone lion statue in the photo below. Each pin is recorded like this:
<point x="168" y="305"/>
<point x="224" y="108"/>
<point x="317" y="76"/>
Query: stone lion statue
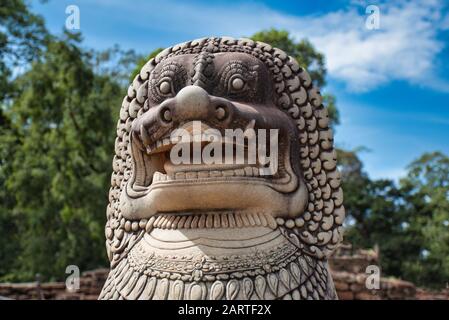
<point x="210" y="231"/>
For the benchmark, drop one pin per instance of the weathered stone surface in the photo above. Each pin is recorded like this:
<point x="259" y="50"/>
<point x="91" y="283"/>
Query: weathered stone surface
<point x="234" y="230"/>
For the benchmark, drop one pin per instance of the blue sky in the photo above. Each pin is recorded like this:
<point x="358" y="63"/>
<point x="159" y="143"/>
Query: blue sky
<point x="391" y="84"/>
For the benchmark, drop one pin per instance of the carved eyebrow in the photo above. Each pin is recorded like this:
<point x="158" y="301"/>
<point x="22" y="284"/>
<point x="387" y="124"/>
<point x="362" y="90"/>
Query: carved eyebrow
<point x="170" y="70"/>
<point x="237" y="66"/>
<point x="247" y="71"/>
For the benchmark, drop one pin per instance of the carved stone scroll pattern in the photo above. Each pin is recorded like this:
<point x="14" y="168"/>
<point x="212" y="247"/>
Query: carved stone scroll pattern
<point x="300" y="279"/>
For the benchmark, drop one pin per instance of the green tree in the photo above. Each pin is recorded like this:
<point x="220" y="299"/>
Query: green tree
<point x="376" y="215"/>
<point x="118" y="64"/>
<point x="22" y="39"/>
<point x="409" y="222"/>
<point x="60" y="138"/>
<point x="426" y="189"/>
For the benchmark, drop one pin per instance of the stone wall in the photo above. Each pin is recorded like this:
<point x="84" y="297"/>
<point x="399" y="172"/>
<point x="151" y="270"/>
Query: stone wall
<point x="351" y="286"/>
<point x="91" y="283"/>
<point x="348" y="271"/>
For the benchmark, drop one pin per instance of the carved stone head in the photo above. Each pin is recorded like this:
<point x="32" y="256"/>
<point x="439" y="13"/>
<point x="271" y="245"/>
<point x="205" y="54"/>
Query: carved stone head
<point x="238" y="229"/>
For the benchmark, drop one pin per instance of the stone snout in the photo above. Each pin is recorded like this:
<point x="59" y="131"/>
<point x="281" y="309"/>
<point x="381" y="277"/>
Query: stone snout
<point x="161" y="184"/>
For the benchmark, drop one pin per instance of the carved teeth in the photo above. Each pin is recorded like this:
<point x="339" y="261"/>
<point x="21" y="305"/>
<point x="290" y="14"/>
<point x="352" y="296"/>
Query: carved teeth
<point x="202" y="221"/>
<point x="224" y="220"/>
<point x="180" y="175"/>
<point x="217" y="222"/>
<point x="256" y="219"/>
<point x="203" y="174"/>
<point x="193" y="175"/>
<point x="245" y="219"/>
<point x="211" y="220"/>
<point x="215" y="173"/>
<point x="151" y="148"/>
<point x="228" y="173"/>
<point x="232" y="222"/>
<point x="271" y="222"/>
<point x="238" y="221"/>
<point x="263" y="220"/>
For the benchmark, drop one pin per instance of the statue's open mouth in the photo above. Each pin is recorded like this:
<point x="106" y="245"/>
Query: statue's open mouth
<point x="227" y="169"/>
<point x="236" y="182"/>
<point x="244" y="182"/>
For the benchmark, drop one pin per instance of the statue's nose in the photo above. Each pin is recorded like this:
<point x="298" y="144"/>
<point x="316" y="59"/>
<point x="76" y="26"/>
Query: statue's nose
<point x="194" y="103"/>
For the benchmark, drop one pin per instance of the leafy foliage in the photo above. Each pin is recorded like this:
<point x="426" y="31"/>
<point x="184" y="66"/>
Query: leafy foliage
<point x="426" y="199"/>
<point x="409" y="221"/>
<point x="59" y="141"/>
<point x="22" y="37"/>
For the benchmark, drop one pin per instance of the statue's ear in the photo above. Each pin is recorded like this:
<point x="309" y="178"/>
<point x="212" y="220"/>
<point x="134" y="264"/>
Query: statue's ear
<point x="319" y="228"/>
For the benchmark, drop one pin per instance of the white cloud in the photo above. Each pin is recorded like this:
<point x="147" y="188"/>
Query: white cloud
<point x="405" y="47"/>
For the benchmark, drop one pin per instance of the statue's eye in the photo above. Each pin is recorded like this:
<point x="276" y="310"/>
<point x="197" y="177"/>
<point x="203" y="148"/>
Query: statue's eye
<point x="237" y="84"/>
<point x="165" y="87"/>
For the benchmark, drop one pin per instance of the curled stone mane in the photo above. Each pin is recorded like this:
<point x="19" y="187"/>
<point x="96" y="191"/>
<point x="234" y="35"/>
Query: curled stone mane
<point x="315" y="233"/>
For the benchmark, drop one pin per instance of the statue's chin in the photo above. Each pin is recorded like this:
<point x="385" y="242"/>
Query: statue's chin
<point x="235" y="196"/>
<point x="212" y="242"/>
